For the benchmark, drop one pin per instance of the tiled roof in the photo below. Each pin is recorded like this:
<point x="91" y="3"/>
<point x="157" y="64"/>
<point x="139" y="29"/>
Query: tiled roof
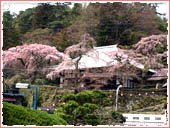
<point x="161" y="75"/>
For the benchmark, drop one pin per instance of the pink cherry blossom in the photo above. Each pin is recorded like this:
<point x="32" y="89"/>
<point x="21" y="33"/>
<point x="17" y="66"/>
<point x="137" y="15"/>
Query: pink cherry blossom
<point x="32" y="57"/>
<point x="147" y="45"/>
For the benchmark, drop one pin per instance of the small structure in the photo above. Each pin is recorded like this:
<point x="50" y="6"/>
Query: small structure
<point x="13" y="98"/>
<point x="160" y="77"/>
<point x="26" y="86"/>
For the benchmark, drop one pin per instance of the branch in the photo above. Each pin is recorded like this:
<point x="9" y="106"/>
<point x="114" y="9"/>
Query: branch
<point x="21" y="61"/>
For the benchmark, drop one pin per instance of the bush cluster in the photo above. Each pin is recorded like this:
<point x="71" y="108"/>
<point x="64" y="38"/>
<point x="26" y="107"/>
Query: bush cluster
<point x="84" y="108"/>
<point x="19" y="115"/>
<point x="118" y="117"/>
<point x="96" y="97"/>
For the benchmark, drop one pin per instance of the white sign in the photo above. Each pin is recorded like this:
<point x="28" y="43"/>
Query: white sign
<point x="22" y="85"/>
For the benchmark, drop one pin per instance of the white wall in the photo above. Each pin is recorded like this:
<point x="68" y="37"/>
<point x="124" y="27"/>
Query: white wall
<point x="145" y="119"/>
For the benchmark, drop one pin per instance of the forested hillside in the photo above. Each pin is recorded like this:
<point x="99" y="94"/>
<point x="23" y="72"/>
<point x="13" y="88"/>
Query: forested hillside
<point x="61" y="25"/>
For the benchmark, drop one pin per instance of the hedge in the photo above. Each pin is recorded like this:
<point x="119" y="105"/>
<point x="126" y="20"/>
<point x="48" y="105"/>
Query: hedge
<point x="19" y="115"/>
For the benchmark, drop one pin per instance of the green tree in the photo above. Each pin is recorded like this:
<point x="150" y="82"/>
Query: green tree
<point x="43" y="15"/>
<point x="76" y="11"/>
<point x="11" y="36"/>
<point x="82" y="108"/>
<point x="61" y="17"/>
<point x="162" y="24"/>
<point x="118" y="19"/>
<point x="24" y="20"/>
<point x="76" y="114"/>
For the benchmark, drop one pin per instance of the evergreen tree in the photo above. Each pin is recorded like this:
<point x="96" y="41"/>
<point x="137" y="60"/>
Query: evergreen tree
<point x="11" y="36"/>
<point x="42" y="16"/>
<point x="24" y="20"/>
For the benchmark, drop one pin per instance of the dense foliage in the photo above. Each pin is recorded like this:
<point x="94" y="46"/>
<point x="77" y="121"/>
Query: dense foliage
<point x="117" y="116"/>
<point x="125" y="24"/>
<point x="11" y="37"/>
<point x="61" y="26"/>
<point x="19" y="115"/>
<point x="84" y="108"/>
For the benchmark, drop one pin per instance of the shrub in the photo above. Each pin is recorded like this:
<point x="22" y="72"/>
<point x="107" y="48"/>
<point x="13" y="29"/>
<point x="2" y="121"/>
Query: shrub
<point x="91" y="107"/>
<point x="39" y="82"/>
<point x="59" y="110"/>
<point x="92" y="119"/>
<point x="83" y="97"/>
<point x="68" y="118"/>
<point x="80" y="111"/>
<point x="67" y="97"/>
<point x="70" y="106"/>
<point x="118" y="117"/>
<point x="19" y="115"/>
<point x="81" y="108"/>
<point x="100" y="98"/>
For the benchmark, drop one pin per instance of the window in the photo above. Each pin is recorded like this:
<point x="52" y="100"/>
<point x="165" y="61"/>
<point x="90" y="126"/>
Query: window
<point x="157" y="118"/>
<point x="136" y="118"/>
<point x="146" y="118"/>
<point x="126" y="117"/>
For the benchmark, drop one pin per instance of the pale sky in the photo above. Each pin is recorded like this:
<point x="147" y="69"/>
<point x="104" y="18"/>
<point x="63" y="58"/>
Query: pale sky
<point x="15" y="7"/>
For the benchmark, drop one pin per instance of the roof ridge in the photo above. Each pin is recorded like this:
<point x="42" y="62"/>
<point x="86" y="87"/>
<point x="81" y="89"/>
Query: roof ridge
<point x="109" y="46"/>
